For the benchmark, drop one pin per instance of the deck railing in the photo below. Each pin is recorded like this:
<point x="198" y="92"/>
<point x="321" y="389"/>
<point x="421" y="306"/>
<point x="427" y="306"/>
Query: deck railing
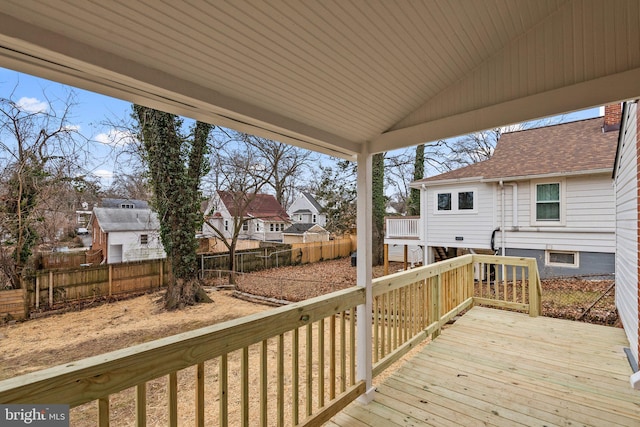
<point x="294" y="365"/>
<point x="402" y="227"/>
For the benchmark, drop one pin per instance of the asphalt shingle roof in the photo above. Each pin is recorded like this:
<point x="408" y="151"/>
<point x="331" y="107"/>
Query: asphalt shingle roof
<point x="263" y="206"/>
<point x="117" y="219"/>
<point x="579" y="146"/>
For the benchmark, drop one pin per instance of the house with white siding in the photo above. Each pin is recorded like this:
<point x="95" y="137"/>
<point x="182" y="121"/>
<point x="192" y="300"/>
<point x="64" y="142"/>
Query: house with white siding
<point x="305" y="209"/>
<point x="126" y="234"/>
<point x="259" y="216"/>
<point x="626" y="180"/>
<point x="545" y="193"/>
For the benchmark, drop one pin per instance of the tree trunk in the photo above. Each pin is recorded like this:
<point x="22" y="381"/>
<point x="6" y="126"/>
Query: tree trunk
<point x="377" y="247"/>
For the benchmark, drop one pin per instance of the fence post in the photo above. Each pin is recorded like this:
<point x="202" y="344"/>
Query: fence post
<point x="50" y="288"/>
<point x="110" y="278"/>
<point x="37" y="291"/>
<point x="162" y="271"/>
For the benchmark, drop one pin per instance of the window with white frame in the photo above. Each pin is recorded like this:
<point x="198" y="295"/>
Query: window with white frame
<point x="444" y="201"/>
<point x="144" y="239"/>
<point x="226" y="225"/>
<point x="547" y="202"/>
<point x="465" y="200"/>
<point x="562" y="259"/>
<point x="313" y="218"/>
<point x="460" y="201"/>
<point x="245" y="226"/>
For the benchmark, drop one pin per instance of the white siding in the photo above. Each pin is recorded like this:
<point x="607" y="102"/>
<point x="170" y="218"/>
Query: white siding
<point x="627" y="229"/>
<point x="589" y="217"/>
<point x="132" y="249"/>
<point x="442" y="228"/>
<point x="302" y="203"/>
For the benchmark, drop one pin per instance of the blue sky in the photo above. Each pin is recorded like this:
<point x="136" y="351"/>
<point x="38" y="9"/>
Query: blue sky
<point x="93" y="112"/>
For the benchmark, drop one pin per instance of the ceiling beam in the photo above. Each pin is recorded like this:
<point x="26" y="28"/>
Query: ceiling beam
<point x="592" y="93"/>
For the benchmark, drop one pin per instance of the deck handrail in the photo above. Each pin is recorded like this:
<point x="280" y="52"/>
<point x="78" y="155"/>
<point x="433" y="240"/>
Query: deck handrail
<point x="409" y="307"/>
<point x="402" y="227"/>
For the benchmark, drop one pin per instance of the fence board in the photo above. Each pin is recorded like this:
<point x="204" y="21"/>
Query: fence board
<point x="94" y="281"/>
<point x="12" y="303"/>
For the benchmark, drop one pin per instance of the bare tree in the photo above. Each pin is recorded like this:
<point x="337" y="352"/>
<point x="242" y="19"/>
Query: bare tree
<point x="240" y="180"/>
<point x="133" y="185"/>
<point x="39" y="149"/>
<point x="285" y="161"/>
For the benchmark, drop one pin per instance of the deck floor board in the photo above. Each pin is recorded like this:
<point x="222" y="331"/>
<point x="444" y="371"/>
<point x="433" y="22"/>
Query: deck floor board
<point x="499" y="368"/>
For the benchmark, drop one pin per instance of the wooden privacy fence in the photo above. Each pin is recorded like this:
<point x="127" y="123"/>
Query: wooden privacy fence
<point x="277" y="255"/>
<point x="319" y="251"/>
<point x="12" y="305"/>
<point x="62" y="286"/>
<point x="294" y="365"/>
<point x="51" y="260"/>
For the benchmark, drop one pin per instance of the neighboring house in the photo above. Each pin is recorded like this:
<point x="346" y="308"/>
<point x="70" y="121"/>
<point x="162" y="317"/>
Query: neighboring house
<point x="305" y="233"/>
<point x="124" y="203"/>
<point x="126" y="235"/>
<point x="545" y="193"/>
<point x="627" y="182"/>
<point x="83" y="216"/>
<point x="265" y="218"/>
<point x="306" y="210"/>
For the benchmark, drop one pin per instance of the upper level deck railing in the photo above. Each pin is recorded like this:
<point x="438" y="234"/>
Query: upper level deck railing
<point x="293" y="365"/>
<point x="402" y="227"/>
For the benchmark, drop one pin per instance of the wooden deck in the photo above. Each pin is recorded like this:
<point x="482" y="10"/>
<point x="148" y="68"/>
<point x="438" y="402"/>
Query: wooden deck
<point x="500" y="368"/>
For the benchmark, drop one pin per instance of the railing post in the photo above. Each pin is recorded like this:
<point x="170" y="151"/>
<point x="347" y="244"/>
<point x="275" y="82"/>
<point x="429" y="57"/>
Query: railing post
<point x="534" y="295"/>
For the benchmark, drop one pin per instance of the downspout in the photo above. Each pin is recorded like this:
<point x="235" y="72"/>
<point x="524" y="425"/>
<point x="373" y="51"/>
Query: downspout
<point x="502" y="215"/>
<point x="514" y="209"/>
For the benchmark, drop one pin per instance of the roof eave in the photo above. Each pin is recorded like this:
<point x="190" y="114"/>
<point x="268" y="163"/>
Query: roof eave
<point x="420" y="184"/>
<point x="549" y="175"/>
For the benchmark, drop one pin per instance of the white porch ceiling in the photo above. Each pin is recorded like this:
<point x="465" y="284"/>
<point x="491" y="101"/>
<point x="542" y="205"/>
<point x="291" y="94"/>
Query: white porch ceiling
<point x="336" y="75"/>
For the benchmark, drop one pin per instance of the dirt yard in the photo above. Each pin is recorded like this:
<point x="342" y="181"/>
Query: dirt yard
<point x="49" y="341"/>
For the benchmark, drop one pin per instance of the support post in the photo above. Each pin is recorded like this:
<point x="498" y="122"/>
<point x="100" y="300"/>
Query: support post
<point x="386" y="259"/>
<point x="405" y="256"/>
<point x="364" y="274"/>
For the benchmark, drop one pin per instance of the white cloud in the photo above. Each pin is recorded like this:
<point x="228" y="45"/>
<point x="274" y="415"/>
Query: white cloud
<point x="103" y="174"/>
<point x="116" y="138"/>
<point x="72" y="128"/>
<point x="32" y="105"/>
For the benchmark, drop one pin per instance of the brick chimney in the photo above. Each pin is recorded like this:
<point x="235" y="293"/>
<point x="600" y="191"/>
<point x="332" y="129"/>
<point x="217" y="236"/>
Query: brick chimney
<point x="612" y="117"/>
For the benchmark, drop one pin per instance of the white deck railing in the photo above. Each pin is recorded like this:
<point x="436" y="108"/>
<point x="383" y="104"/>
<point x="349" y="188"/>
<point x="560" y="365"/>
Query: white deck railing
<point x="402" y="227"/>
<point x="293" y="365"/>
